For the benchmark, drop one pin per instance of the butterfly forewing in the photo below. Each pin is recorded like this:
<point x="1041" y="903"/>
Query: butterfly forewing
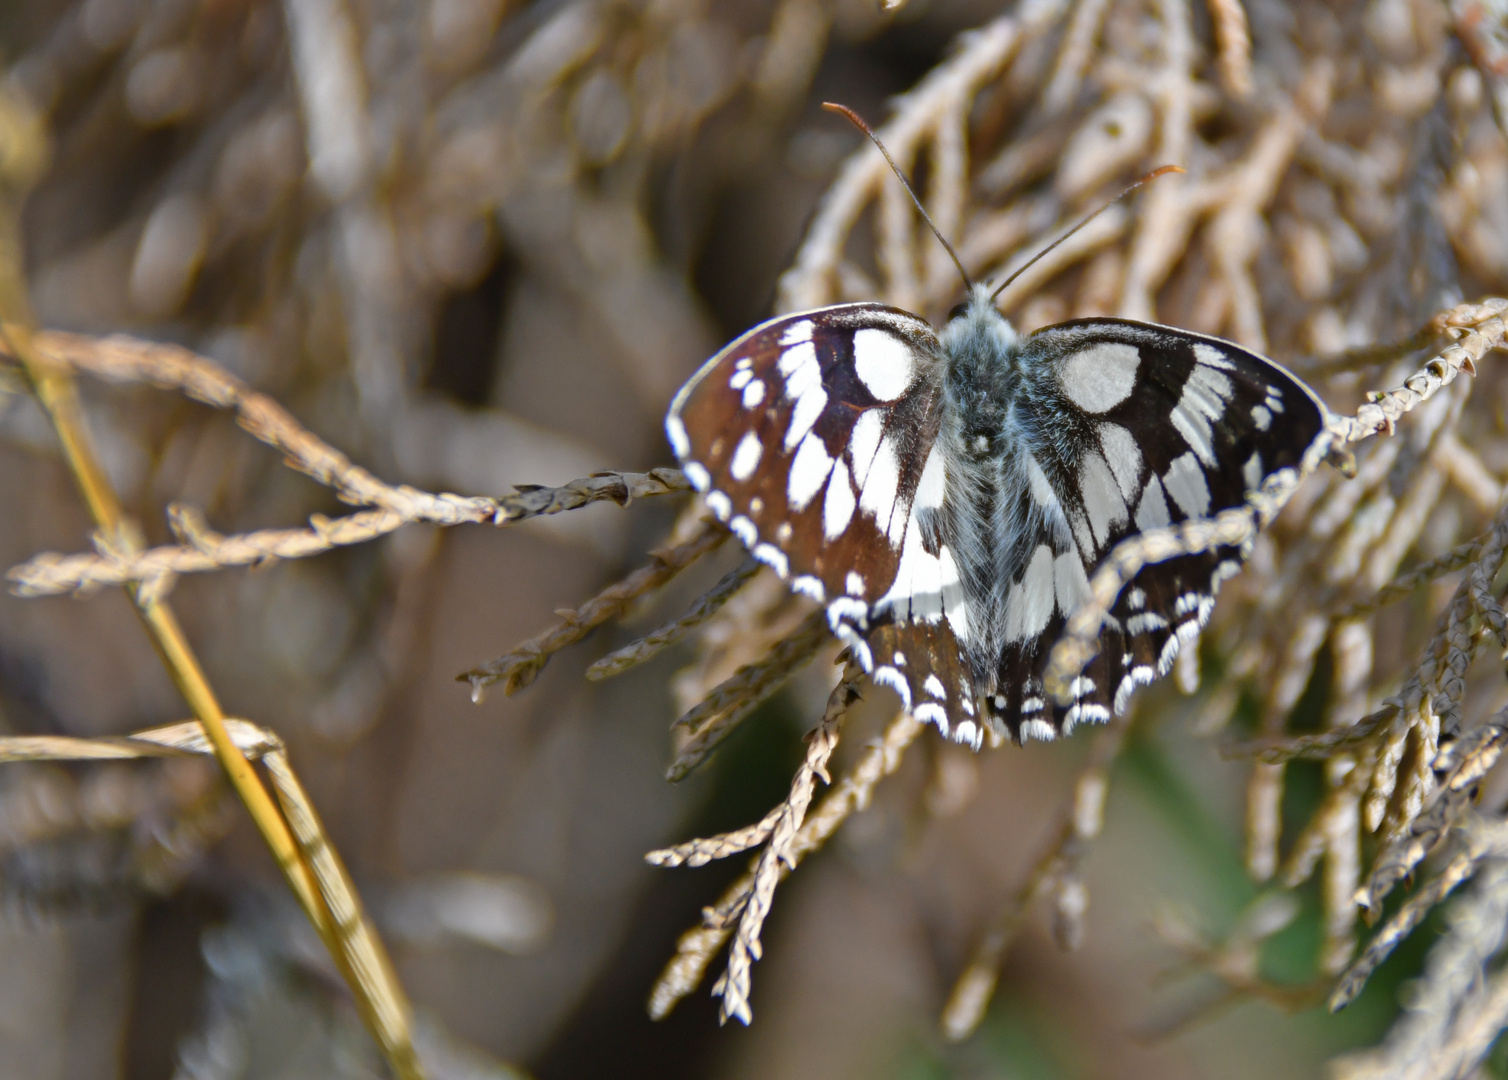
<point x="1150" y="426"/>
<point x="811" y="435"/>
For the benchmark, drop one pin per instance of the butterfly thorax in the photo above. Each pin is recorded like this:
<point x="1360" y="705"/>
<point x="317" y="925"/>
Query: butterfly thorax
<point x="992" y="448"/>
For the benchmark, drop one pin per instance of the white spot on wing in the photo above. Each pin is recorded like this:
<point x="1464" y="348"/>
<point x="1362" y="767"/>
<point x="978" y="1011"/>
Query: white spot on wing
<point x="719" y="504"/>
<point x="916" y="592"/>
<point x="1141" y="675"/>
<point x="1037" y="729"/>
<point x="772" y="557"/>
<point x="740" y="379"/>
<point x="809" y="471"/>
<point x="1202" y="403"/>
<point x="878" y="498"/>
<point x="1042" y="491"/>
<point x="883" y="362"/>
<point x="1168" y="655"/>
<point x="1101" y="495"/>
<point x="809" y="406"/>
<point x="844" y="610"/>
<point x="1152" y="511"/>
<point x="1227" y="569"/>
<point x="864" y="442"/>
<point x="753" y="394"/>
<point x="933" y="483"/>
<point x="1029" y="604"/>
<point x="838" y="508"/>
<point x="807" y="585"/>
<point x="1070" y="585"/>
<point x="932" y="714"/>
<point x="676" y="432"/>
<point x="1208" y="354"/>
<point x="1261" y="417"/>
<point x="854" y="583"/>
<point x="797" y="331"/>
<point x="697" y="473"/>
<point x="799" y="357"/>
<point x="1251" y="472"/>
<point x="1185" y="482"/>
<point x="1124" y="457"/>
<point x="1100" y="377"/>
<point x="744" y="529"/>
<point x="934" y="686"/>
<point x="746" y="457"/>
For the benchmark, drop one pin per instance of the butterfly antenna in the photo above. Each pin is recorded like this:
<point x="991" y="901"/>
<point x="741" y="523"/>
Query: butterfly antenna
<point x="858" y="122"/>
<point x="1153" y="175"/>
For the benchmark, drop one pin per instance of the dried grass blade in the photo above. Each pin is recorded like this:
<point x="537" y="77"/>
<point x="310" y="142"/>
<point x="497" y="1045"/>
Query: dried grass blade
<point x="382" y="1004"/>
<point x="361" y="955"/>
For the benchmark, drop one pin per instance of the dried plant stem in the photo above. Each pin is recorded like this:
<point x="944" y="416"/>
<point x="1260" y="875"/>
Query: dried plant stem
<point x="943" y="95"/>
<point x="1399" y="926"/>
<point x="697" y="946"/>
<point x="388" y="1022"/>
<point x="1074" y="56"/>
<point x="205" y="550"/>
<point x="1080" y="821"/>
<point x="776" y="860"/>
<point x="701" y="851"/>
<point x="1233" y="40"/>
<point x="1476" y="328"/>
<point x="650" y="645"/>
<point x="1457" y="557"/>
<point x="715" y="717"/>
<point x="520" y="667"/>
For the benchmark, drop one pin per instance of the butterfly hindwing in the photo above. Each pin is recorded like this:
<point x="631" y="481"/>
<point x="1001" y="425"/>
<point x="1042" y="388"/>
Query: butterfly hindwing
<point x="924" y="664"/>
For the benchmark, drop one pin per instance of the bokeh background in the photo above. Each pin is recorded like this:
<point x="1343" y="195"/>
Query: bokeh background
<point x="479" y="243"/>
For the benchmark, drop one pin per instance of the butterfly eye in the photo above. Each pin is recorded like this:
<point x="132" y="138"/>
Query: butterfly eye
<point x="958" y="312"/>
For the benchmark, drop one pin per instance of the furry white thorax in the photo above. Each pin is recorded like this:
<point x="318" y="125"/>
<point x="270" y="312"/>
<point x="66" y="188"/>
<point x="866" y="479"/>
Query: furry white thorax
<point x="987" y="441"/>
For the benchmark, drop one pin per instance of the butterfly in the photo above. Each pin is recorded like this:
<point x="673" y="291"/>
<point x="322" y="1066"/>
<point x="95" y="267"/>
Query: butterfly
<point x="947" y="495"/>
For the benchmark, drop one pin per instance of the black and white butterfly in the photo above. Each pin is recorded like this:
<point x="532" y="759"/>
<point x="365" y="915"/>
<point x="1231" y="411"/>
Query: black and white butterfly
<point x="947" y="495"/>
